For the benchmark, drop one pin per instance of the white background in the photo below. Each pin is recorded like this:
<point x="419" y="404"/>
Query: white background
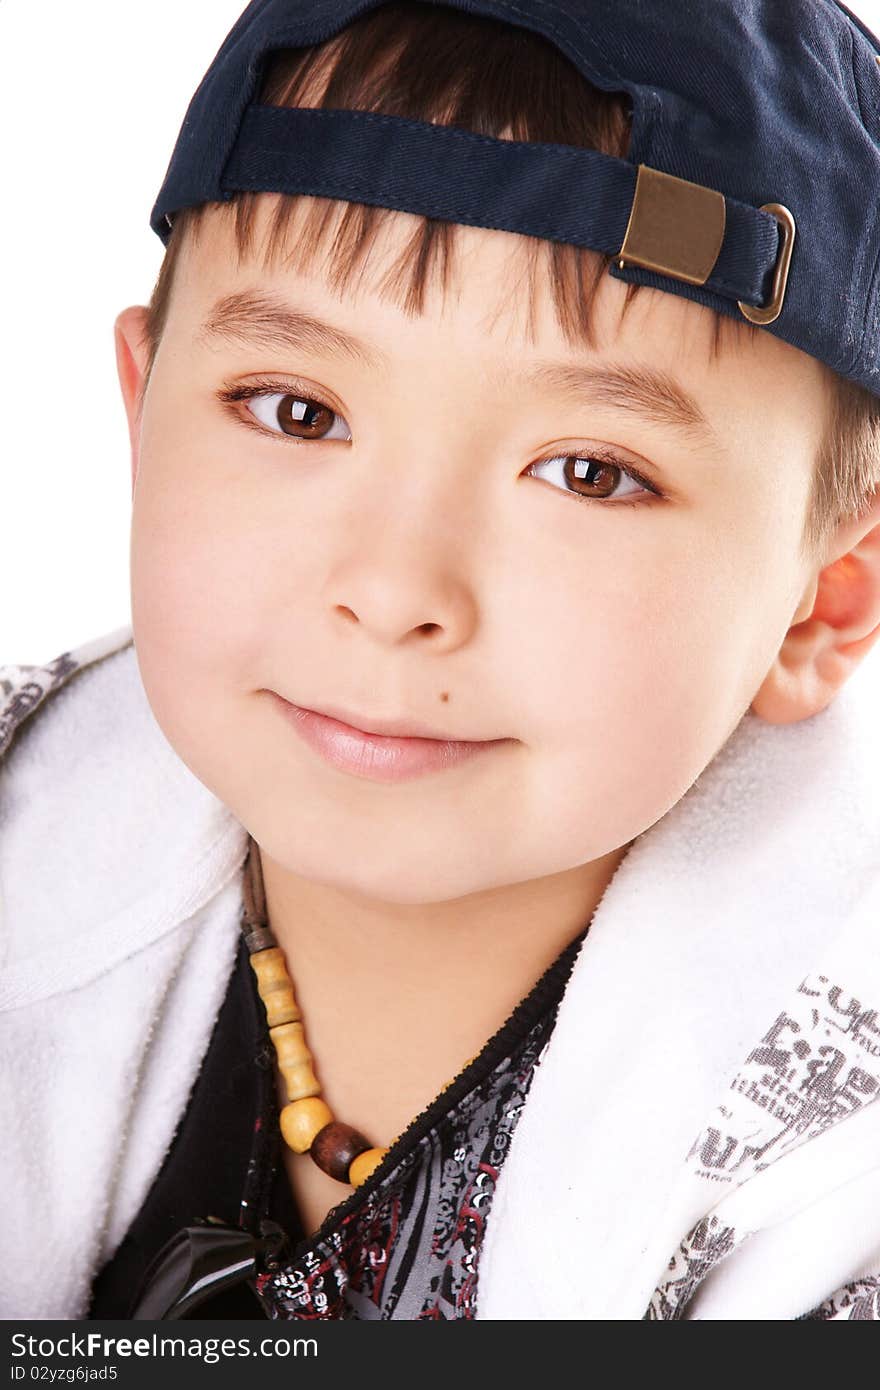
<point x="92" y="95"/>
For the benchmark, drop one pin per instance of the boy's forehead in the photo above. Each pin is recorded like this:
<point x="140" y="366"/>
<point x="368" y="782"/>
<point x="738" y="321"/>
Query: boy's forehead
<point x="497" y="298"/>
<point x="499" y="282"/>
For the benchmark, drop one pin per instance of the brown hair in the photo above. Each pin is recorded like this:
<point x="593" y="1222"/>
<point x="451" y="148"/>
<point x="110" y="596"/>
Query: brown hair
<point x="432" y="63"/>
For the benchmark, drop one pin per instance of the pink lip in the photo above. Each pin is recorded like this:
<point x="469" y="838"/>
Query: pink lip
<point x="376" y="756"/>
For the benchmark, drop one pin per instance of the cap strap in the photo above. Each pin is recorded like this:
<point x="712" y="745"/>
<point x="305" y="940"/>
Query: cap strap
<point x="638" y="215"/>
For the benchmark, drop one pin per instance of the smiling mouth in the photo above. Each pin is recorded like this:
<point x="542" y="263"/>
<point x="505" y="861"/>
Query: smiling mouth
<point x="379" y="756"/>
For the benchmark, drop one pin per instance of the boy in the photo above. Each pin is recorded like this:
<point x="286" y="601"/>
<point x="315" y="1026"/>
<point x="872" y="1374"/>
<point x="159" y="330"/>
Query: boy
<point x="503" y="676"/>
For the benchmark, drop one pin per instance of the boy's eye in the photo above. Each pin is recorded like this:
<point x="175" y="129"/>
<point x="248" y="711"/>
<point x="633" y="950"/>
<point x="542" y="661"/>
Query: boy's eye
<point x="594" y="477"/>
<point x="302" y="416"/>
<point x="295" y="414"/>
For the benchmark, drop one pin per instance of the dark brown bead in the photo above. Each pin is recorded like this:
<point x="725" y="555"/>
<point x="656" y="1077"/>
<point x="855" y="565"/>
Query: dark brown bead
<point x="335" y="1146"/>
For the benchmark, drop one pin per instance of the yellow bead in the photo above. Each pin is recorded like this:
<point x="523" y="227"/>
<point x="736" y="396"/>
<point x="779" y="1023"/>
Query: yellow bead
<point x="301" y="1082"/>
<point x="289" y="1041"/>
<point x="365" y="1164"/>
<point x="294" y="1061"/>
<point x="275" y="986"/>
<point x="302" y="1120"/>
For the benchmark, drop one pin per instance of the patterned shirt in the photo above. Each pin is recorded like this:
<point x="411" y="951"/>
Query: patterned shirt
<point x="404" y="1245"/>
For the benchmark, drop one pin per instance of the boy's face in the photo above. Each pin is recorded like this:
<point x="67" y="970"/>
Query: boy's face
<point x="408" y="565"/>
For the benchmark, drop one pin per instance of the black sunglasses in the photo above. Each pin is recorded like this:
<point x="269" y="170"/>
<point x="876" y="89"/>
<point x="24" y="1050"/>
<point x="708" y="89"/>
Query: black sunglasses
<point x="201" y="1261"/>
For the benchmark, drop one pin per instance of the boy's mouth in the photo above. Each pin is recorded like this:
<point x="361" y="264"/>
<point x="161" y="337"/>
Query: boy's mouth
<point x="387" y="750"/>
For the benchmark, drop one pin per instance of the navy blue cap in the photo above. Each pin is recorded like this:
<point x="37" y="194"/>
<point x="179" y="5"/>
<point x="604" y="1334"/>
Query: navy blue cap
<point x="752" y="183"/>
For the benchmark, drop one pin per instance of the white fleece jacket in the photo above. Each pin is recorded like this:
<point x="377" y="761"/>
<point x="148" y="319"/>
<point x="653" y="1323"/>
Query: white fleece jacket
<point x="703" y="1126"/>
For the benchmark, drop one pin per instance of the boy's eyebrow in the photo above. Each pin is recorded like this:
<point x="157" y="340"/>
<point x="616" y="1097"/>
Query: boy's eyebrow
<point x="266" y="319"/>
<point x="647" y="391"/>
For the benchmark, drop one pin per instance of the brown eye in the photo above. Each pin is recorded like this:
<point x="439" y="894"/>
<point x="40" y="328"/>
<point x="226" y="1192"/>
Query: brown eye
<point x="300" y="416"/>
<point x="593" y="479"/>
<point x="590" y="477"/>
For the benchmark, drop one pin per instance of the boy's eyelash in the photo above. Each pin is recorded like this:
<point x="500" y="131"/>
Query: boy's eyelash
<point x="264" y="387"/>
<point x="234" y="395"/>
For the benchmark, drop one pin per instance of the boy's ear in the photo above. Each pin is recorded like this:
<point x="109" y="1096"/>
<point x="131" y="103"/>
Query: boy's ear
<point x="132" y="352"/>
<point x="833" y="629"/>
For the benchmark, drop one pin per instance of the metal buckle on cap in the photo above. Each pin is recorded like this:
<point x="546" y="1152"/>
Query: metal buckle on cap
<point x="773" y="308"/>
<point x="675" y="227"/>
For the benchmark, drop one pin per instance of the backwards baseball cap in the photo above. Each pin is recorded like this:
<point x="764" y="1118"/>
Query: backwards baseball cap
<point x="752" y="184"/>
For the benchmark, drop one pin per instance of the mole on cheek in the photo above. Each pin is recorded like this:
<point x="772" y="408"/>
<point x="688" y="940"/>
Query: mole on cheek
<point x="445" y="696"/>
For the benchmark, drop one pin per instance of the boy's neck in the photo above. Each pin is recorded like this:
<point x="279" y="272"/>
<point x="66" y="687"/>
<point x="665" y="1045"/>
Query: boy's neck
<point x="396" y="998"/>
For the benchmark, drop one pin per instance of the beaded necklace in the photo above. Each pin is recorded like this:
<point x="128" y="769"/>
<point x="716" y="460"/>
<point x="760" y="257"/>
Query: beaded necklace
<point x="307" y="1122"/>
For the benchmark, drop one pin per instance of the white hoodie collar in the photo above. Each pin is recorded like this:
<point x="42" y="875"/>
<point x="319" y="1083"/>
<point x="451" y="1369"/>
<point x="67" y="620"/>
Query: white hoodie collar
<point x="701" y="941"/>
<point x="138" y="843"/>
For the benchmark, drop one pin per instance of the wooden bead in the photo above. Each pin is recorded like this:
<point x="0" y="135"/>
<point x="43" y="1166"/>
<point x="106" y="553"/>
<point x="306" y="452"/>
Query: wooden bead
<point x="294" y="1061"/>
<point x="301" y="1082"/>
<point x="365" y="1164"/>
<point x="275" y="987"/>
<point x="302" y="1120"/>
<point x="335" y="1147"/>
